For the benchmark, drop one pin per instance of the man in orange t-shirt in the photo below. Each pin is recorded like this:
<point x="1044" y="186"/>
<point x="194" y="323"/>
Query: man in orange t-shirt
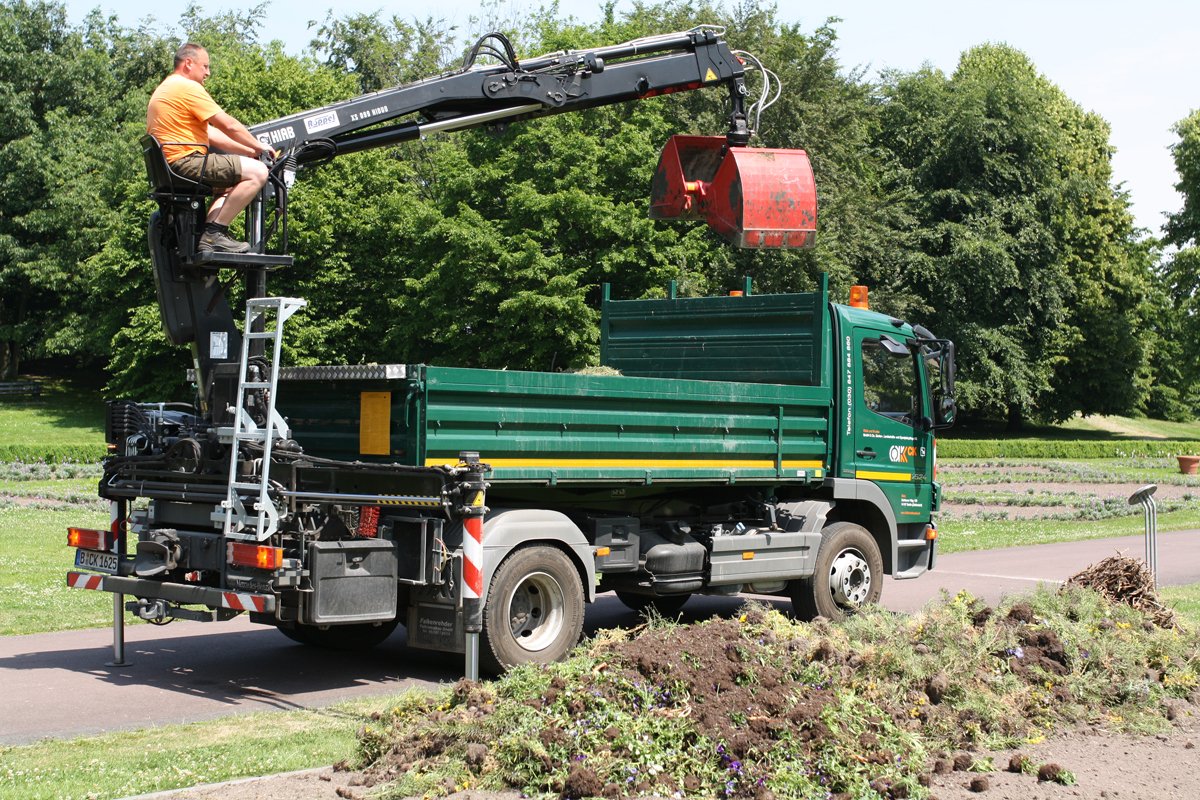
<point x="187" y="123"/>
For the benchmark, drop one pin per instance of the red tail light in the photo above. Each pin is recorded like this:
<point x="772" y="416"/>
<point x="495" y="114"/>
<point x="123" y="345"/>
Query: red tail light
<point x="90" y="539"/>
<point x="256" y="556"/>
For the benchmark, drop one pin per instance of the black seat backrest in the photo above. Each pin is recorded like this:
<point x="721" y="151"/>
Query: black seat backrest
<point x="166" y="183"/>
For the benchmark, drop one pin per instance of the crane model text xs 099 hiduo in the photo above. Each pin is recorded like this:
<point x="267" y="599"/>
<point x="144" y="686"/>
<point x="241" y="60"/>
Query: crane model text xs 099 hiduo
<point x="777" y="444"/>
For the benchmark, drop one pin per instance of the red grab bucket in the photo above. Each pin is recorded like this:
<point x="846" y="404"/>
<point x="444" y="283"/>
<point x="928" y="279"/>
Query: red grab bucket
<point x="756" y="197"/>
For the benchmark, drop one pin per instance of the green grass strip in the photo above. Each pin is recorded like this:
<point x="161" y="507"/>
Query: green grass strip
<point x="959" y="535"/>
<point x="1185" y="600"/>
<point x="1065" y="448"/>
<point x="178" y="756"/>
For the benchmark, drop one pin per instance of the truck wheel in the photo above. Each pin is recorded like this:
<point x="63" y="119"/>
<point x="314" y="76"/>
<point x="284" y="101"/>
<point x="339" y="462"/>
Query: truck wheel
<point x="357" y="636"/>
<point x="849" y="574"/>
<point x="534" y="610"/>
<point x="665" y="606"/>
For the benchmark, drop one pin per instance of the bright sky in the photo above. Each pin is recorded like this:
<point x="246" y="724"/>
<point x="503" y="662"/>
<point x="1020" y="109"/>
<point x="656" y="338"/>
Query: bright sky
<point x="1136" y="65"/>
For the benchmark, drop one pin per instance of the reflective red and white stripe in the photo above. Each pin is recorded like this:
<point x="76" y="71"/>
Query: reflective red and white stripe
<point x="244" y="602"/>
<point x="473" y="554"/>
<point x="238" y="601"/>
<point x="82" y="580"/>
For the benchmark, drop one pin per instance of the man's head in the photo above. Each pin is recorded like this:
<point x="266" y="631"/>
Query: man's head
<point x="191" y="61"/>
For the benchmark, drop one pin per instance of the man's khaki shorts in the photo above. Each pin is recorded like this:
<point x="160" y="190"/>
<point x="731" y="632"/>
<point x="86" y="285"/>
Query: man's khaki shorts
<point x="220" y="170"/>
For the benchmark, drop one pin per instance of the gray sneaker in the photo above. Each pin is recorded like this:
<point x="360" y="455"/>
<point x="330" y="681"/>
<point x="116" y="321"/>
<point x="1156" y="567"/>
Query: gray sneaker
<point x="220" y="243"/>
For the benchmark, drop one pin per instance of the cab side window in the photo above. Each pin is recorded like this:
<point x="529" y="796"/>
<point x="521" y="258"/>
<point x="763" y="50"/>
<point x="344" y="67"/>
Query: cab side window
<point x="889" y="382"/>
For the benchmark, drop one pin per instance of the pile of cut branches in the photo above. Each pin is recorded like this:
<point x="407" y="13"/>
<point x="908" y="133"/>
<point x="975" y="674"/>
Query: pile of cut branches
<point x="1122" y="579"/>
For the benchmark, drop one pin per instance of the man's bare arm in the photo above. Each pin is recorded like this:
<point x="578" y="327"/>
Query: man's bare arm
<point x="233" y="137"/>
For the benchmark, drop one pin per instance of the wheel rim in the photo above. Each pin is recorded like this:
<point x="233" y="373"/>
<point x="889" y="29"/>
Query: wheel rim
<point x="850" y="579"/>
<point x="536" y="611"/>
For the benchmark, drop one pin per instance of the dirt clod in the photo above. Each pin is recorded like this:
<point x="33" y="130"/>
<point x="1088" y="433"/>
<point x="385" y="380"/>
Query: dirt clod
<point x="581" y="782"/>
<point x="963" y="761"/>
<point x="1018" y="763"/>
<point x="936" y="688"/>
<point x="1021" y="612"/>
<point x="1050" y="773"/>
<point x="979" y="783"/>
<point x="476" y="754"/>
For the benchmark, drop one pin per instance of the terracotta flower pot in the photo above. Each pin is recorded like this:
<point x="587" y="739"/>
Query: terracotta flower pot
<point x="1188" y="464"/>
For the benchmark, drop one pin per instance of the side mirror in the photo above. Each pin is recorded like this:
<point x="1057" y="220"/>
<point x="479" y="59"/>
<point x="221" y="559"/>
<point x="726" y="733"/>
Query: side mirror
<point x="946" y="411"/>
<point x="924" y="424"/>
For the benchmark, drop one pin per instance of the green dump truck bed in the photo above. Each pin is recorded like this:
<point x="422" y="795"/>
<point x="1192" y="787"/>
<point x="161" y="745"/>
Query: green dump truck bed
<point x="720" y="389"/>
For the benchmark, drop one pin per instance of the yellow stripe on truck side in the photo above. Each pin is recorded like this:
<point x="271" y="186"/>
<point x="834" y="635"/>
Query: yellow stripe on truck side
<point x="883" y="476"/>
<point x="625" y="463"/>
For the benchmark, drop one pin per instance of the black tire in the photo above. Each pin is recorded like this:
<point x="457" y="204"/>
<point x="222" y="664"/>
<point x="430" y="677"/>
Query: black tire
<point x="665" y="606"/>
<point x="356" y="636"/>
<point x="849" y="574"/>
<point x="534" y="609"/>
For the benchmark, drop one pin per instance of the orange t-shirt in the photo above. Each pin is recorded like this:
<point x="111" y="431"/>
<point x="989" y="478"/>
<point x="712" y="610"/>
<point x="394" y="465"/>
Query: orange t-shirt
<point x="179" y="111"/>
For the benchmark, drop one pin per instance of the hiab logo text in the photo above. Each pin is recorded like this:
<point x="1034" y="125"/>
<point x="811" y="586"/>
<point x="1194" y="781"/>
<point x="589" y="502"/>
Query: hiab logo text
<point x="899" y="454"/>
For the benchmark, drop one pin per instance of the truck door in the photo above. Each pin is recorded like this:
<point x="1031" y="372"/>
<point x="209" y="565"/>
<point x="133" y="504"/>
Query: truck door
<point x="888" y="442"/>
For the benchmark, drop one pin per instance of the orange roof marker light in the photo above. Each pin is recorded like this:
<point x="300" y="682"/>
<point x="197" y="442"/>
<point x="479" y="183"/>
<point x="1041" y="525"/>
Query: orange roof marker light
<point x="858" y="297"/>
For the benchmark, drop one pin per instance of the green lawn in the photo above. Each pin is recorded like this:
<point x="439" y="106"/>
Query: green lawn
<point x="34" y="559"/>
<point x="66" y="414"/>
<point x="1185" y="600"/>
<point x="1083" y="428"/>
<point x="176" y="756"/>
<point x="1133" y="427"/>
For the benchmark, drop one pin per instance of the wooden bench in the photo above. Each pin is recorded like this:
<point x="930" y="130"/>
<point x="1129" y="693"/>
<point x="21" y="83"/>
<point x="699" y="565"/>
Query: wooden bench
<point x="20" y="389"/>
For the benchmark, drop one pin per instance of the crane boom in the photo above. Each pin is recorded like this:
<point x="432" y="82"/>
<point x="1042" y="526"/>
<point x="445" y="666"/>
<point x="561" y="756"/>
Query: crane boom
<point x="478" y="95"/>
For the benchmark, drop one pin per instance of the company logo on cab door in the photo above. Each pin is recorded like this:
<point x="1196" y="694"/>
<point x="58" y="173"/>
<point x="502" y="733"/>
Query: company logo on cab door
<point x="898" y="454"/>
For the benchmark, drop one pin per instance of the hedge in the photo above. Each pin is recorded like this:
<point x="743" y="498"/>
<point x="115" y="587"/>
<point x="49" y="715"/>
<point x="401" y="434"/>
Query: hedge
<point x="53" y="453"/>
<point x="1065" y="448"/>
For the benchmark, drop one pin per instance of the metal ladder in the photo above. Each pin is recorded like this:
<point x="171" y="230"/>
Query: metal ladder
<point x="262" y="522"/>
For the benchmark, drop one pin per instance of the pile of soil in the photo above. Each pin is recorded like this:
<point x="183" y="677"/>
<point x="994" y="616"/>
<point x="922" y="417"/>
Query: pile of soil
<point x="739" y="687"/>
<point x="752" y="686"/>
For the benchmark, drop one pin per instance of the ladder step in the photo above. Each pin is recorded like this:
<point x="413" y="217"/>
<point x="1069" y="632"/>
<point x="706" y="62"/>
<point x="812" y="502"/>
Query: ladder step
<point x="243" y="485"/>
<point x="256" y="385"/>
<point x="259" y="335"/>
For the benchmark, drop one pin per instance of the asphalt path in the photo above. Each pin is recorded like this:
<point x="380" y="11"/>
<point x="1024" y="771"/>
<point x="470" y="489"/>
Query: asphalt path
<point x="59" y="685"/>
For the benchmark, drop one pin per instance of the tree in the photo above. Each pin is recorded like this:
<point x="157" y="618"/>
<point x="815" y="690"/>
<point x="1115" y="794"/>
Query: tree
<point x="1181" y="383"/>
<point x="1031" y="261"/>
<point x="58" y="102"/>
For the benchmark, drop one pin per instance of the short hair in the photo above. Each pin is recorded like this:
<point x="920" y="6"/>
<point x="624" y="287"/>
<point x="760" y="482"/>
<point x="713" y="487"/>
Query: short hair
<point x="186" y="51"/>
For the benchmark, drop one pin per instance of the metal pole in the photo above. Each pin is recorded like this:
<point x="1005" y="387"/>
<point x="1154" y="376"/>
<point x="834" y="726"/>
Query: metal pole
<point x="472" y="511"/>
<point x="1145" y="497"/>
<point x="117" y="525"/>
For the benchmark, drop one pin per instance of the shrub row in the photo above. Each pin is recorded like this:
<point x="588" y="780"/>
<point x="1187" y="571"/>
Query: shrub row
<point x="1051" y="448"/>
<point x="53" y="453"/>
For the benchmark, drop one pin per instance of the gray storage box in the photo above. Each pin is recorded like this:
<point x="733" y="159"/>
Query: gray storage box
<point x="352" y="582"/>
<point x="620" y="536"/>
<point x="763" y="556"/>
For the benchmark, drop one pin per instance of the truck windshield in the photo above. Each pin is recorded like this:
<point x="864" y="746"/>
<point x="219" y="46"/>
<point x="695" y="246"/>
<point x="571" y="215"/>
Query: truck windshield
<point x="889" y="381"/>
